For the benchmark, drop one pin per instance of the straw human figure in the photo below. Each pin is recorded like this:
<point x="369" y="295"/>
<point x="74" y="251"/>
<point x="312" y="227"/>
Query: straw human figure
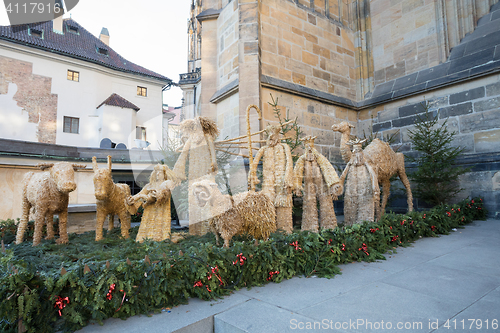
<point x="155" y="199"/>
<point x="385" y="162"/>
<point x="362" y="193"/>
<point x="321" y="182"/>
<point x="277" y="176"/>
<point x="109" y="200"/>
<point x="199" y="151"/>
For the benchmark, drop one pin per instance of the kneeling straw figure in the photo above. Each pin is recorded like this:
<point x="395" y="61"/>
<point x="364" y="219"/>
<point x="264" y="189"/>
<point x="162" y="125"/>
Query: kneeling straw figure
<point x="320" y="182"/>
<point x="155" y="199"/>
<point x="362" y="193"/>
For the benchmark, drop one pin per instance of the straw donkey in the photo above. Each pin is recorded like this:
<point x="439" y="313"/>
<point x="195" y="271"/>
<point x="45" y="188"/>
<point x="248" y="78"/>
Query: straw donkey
<point x="110" y="199"/>
<point x="384" y="161"/>
<point x="48" y="193"/>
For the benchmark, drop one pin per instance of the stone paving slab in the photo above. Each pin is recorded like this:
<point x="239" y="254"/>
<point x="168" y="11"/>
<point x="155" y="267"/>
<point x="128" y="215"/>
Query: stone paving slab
<point x="259" y="316"/>
<point x="481" y="316"/>
<point x="300" y="292"/>
<point x="380" y="307"/>
<point x="451" y="277"/>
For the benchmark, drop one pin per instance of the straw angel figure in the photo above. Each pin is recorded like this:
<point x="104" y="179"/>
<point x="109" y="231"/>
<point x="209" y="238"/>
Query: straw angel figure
<point x="320" y="182"/>
<point x="199" y="149"/>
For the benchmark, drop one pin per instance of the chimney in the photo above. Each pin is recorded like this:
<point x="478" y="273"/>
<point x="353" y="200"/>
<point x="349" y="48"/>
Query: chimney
<point x="57" y="23"/>
<point x="104" y="36"/>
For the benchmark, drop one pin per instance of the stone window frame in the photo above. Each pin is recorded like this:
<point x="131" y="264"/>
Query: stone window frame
<point x="73" y="75"/>
<point x="142" y="91"/>
<point x="74" y="122"/>
<point x="140" y="133"/>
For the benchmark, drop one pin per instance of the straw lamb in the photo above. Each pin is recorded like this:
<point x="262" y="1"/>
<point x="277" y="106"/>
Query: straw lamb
<point x="48" y="193"/>
<point x="110" y="199"/>
<point x="250" y="212"/>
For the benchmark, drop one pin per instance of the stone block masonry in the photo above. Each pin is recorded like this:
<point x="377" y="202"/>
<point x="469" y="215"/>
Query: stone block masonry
<point x="315" y="118"/>
<point x="471" y="109"/>
<point x="301" y="45"/>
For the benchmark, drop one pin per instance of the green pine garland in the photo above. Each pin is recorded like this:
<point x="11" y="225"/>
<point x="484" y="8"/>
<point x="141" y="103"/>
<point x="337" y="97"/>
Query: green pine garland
<point x="121" y="281"/>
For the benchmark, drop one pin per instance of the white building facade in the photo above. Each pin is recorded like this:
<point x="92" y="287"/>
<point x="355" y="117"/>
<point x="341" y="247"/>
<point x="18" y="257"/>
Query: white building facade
<point x="54" y="84"/>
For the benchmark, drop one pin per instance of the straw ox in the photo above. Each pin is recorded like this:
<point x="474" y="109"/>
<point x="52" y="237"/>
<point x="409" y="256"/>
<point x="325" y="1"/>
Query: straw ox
<point x="48" y="193"/>
<point x="110" y="198"/>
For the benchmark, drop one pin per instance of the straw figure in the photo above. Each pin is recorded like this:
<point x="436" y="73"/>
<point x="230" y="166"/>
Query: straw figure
<point x="48" y="193"/>
<point x="247" y="212"/>
<point x="199" y="135"/>
<point x="155" y="199"/>
<point x="277" y="176"/>
<point x="109" y="199"/>
<point x="320" y="182"/>
<point x="362" y="194"/>
<point x="384" y="160"/>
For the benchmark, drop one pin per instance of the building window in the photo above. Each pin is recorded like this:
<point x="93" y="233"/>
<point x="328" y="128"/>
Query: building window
<point x="102" y="51"/>
<point x="140" y="133"/>
<point x="35" y="32"/>
<point x="141" y="91"/>
<point x="72" y="29"/>
<point x="71" y="125"/>
<point x="73" y="76"/>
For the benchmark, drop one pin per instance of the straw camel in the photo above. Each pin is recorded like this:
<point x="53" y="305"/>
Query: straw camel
<point x="384" y="160"/>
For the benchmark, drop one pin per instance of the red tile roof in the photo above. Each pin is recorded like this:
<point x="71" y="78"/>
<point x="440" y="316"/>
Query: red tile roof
<point x="80" y="44"/>
<point x="117" y="100"/>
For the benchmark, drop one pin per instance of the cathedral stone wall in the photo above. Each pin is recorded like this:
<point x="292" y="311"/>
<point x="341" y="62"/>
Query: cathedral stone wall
<point x="304" y="47"/>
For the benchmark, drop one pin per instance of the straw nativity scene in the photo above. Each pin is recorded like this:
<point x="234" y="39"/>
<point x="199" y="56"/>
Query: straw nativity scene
<point x="257" y="212"/>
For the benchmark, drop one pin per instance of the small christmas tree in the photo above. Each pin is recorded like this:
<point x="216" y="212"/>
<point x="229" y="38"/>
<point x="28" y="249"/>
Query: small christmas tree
<point x="437" y="175"/>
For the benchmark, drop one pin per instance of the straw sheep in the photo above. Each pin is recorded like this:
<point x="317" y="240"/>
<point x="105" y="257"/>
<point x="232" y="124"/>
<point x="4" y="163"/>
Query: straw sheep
<point x="110" y="199"/>
<point x="249" y="212"/>
<point x="48" y="193"/>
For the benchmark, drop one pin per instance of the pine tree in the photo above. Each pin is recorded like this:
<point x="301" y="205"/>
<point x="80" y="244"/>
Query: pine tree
<point x="436" y="176"/>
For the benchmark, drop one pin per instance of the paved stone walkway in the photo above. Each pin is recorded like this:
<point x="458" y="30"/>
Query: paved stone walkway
<point x="445" y="284"/>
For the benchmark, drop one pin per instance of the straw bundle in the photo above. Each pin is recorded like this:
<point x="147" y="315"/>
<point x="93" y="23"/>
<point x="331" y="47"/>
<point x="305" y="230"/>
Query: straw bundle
<point x="48" y="193"/>
<point x="109" y="200"/>
<point x="155" y="199"/>
<point x="247" y="212"/>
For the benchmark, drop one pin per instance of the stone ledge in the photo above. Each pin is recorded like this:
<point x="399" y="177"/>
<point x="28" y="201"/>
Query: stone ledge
<point x="387" y="93"/>
<point x="82" y="208"/>
<point x="271" y="82"/>
<point x="226" y="91"/>
<point x="18" y="148"/>
<point x="208" y="14"/>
